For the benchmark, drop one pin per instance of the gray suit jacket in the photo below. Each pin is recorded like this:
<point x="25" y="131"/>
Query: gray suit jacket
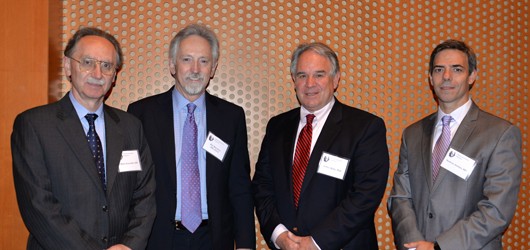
<point x="458" y="214"/>
<point x="60" y="195"/>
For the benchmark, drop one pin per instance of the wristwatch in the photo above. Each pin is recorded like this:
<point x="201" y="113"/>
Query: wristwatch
<point x="436" y="246"/>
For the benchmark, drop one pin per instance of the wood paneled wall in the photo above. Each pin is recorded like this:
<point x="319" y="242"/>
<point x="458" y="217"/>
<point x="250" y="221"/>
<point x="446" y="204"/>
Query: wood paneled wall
<point x="23" y="84"/>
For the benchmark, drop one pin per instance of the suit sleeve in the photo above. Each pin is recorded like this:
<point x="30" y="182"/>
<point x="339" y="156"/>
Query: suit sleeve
<point x="370" y="163"/>
<point x="496" y="210"/>
<point x="143" y="205"/>
<point x="400" y="207"/>
<point x="240" y="188"/>
<point x="40" y="209"/>
<point x="263" y="189"/>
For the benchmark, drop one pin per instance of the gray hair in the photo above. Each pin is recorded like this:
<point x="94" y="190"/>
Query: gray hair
<point x="320" y="49"/>
<point x="194" y="29"/>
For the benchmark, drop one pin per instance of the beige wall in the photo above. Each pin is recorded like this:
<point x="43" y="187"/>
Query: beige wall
<point x="383" y="48"/>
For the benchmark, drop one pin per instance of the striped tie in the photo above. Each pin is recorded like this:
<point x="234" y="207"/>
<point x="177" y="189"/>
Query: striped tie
<point x="301" y="157"/>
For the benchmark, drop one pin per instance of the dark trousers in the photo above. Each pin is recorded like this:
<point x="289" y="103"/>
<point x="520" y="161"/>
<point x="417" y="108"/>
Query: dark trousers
<point x="199" y="240"/>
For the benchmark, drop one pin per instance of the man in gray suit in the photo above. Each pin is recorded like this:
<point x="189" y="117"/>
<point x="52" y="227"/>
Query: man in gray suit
<point x="459" y="169"/>
<point x="83" y="171"/>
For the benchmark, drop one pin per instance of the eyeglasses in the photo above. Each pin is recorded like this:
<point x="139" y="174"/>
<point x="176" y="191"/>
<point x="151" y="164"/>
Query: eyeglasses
<point x="89" y="64"/>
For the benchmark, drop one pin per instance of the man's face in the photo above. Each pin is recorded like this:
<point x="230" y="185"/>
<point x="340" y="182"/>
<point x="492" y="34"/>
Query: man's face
<point x="313" y="81"/>
<point x="193" y="67"/>
<point x="91" y="85"/>
<point x="451" y="80"/>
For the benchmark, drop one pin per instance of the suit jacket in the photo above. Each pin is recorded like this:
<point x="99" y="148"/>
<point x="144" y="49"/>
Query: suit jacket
<point x="229" y="195"/>
<point x="59" y="191"/>
<point x="336" y="213"/>
<point x="458" y="214"/>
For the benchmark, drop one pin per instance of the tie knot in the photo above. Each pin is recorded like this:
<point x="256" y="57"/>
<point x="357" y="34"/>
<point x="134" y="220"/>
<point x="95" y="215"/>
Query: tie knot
<point x="309" y="118"/>
<point x="446" y="120"/>
<point x="191" y="108"/>
<point x="91" y="118"/>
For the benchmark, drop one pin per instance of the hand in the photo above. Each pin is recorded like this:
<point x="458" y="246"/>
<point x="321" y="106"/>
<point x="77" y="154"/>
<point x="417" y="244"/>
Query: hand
<point x="305" y="242"/>
<point x="119" y="247"/>
<point x="284" y="241"/>
<point x="420" y="245"/>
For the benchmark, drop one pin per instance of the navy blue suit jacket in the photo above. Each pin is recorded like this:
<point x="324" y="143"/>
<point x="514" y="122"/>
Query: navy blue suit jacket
<point x="336" y="213"/>
<point x="229" y="195"/>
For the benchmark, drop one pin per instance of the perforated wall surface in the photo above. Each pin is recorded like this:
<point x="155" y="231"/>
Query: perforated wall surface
<point x="383" y="48"/>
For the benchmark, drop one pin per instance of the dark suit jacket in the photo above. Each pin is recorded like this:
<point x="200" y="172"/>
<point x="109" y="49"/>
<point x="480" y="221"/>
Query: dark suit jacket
<point x="229" y="195"/>
<point x="59" y="192"/>
<point x="459" y="214"/>
<point x="337" y="213"/>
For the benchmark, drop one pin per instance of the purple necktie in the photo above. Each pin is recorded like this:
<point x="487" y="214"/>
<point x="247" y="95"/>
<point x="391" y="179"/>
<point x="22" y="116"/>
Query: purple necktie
<point x="95" y="146"/>
<point x="191" y="188"/>
<point x="301" y="157"/>
<point x="441" y="146"/>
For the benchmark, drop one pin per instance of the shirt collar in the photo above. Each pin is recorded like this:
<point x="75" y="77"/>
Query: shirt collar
<point x="458" y="114"/>
<point x="82" y="111"/>
<point x="319" y="113"/>
<point x="181" y="101"/>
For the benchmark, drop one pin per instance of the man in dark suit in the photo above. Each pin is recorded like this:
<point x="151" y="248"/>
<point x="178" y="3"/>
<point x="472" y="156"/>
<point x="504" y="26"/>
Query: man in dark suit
<point x="70" y="197"/>
<point x="326" y="197"/>
<point x="220" y="154"/>
<point x="459" y="169"/>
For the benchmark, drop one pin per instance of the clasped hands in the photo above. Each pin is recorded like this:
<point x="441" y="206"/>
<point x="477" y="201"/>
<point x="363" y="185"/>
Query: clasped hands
<point x="288" y="240"/>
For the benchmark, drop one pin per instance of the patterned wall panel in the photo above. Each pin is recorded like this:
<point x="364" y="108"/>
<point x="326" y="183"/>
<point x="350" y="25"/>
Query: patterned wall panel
<point x="383" y="48"/>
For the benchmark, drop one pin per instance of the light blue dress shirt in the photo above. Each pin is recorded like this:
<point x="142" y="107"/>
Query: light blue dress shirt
<point x="99" y="122"/>
<point x="180" y="111"/>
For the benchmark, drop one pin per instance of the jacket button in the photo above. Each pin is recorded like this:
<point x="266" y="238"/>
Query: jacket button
<point x="104" y="208"/>
<point x="104" y="239"/>
<point x="430" y="215"/>
<point x="295" y="229"/>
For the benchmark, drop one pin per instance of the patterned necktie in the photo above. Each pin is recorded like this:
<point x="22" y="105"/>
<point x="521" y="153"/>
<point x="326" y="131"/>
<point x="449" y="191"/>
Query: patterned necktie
<point x="301" y="157"/>
<point x="442" y="144"/>
<point x="95" y="146"/>
<point x="191" y="189"/>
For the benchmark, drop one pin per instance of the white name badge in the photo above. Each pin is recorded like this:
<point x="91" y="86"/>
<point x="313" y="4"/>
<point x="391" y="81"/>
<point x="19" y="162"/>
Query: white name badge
<point x="333" y="166"/>
<point x="130" y="161"/>
<point x="215" y="146"/>
<point x="458" y="164"/>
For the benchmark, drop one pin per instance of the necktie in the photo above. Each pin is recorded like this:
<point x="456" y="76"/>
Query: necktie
<point x="95" y="146"/>
<point x="442" y="144"/>
<point x="191" y="189"/>
<point x="301" y="157"/>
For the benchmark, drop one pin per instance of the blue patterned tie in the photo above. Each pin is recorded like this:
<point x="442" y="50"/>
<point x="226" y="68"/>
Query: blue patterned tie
<point x="441" y="146"/>
<point x="95" y="146"/>
<point x="191" y="189"/>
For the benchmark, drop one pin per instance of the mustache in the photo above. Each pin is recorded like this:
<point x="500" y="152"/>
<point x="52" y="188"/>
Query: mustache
<point x="195" y="77"/>
<point x="96" y="81"/>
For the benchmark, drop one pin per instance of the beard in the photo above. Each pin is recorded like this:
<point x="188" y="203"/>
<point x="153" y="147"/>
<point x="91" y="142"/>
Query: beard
<point x="195" y="84"/>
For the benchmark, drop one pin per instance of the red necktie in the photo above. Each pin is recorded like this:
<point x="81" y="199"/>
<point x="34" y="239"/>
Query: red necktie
<point x="301" y="157"/>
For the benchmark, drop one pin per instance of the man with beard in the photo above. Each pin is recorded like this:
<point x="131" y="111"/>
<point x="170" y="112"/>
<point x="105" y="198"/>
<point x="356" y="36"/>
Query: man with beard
<point x="459" y="169"/>
<point x="83" y="172"/>
<point x="199" y="146"/>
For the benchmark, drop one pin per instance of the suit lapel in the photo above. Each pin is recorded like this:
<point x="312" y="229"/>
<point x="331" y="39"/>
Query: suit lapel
<point x="461" y="136"/>
<point x="73" y="134"/>
<point x="426" y="147"/>
<point x="287" y="148"/>
<point x="164" y="121"/>
<point x="114" y="143"/>
<point x="324" y="141"/>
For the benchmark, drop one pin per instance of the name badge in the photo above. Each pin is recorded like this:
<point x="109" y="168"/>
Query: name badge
<point x="215" y="146"/>
<point x="333" y="166"/>
<point x="130" y="161"/>
<point x="458" y="164"/>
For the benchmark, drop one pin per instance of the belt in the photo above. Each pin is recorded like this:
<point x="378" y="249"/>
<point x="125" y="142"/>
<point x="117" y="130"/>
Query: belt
<point x="179" y="226"/>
